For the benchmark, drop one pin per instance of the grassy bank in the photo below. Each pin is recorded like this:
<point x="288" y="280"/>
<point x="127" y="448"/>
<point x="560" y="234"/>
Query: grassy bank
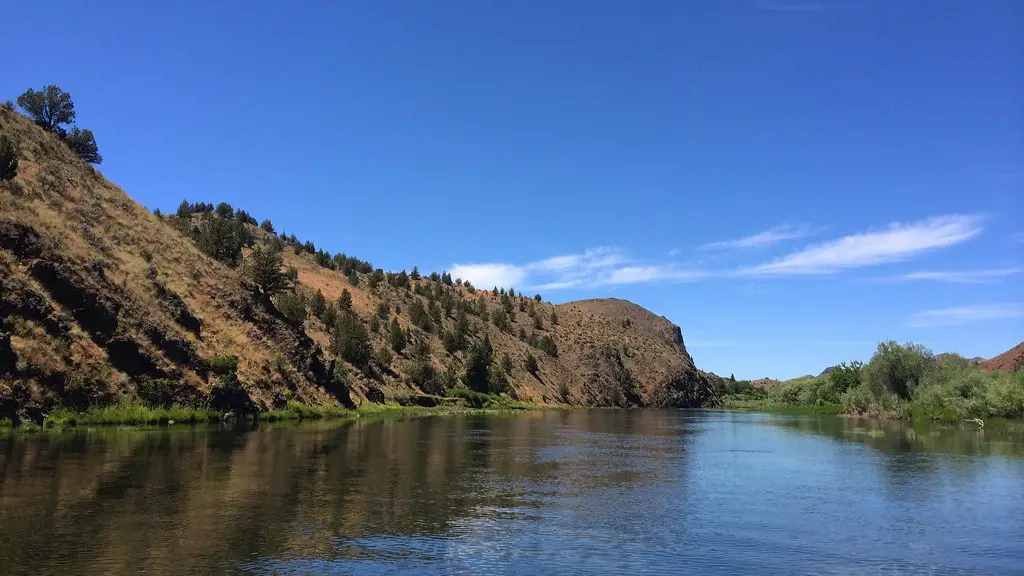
<point x="900" y="382"/>
<point x="132" y="412"/>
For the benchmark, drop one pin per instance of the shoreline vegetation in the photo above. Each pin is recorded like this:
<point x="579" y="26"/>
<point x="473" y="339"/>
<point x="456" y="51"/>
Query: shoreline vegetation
<point x="900" y="382"/>
<point x="132" y="412"/>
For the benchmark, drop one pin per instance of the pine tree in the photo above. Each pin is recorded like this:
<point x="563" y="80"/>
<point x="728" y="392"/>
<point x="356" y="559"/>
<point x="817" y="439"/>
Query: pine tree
<point x="398" y="340"/>
<point x="221" y="240"/>
<point x="329" y="317"/>
<point x="83" y="143"/>
<point x="48" y="108"/>
<point x="345" y="300"/>
<point x="351" y="341"/>
<point x="415" y="275"/>
<point x="267" y="226"/>
<point x="353" y="278"/>
<point x="317" y="304"/>
<point x="478" y="368"/>
<point x="8" y="159"/>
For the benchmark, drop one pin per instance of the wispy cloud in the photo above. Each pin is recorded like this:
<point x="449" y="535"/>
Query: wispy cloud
<point x="895" y="243"/>
<point x="488" y="275"/>
<point x="762" y="239"/>
<point x="595" y="267"/>
<point x="955" y="276"/>
<point x="645" y="274"/>
<point x="555" y="273"/>
<point x="957" y="315"/>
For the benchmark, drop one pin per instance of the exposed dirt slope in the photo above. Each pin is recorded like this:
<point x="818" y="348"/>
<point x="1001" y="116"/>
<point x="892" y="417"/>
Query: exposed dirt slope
<point x="98" y="296"/>
<point x="1010" y="361"/>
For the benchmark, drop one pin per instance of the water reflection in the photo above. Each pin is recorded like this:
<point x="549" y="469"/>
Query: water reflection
<point x="995" y="438"/>
<point x="187" y="499"/>
<point x="601" y="491"/>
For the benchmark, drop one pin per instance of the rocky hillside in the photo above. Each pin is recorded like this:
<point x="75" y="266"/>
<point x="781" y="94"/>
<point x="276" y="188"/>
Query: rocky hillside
<point x="101" y="299"/>
<point x="1010" y="361"/>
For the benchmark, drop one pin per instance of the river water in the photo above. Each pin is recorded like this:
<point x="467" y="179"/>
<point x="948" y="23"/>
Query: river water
<point x="567" y="492"/>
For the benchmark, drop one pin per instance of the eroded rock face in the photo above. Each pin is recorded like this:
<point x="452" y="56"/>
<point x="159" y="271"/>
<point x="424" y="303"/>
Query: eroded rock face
<point x="177" y="308"/>
<point x="609" y="383"/>
<point x="685" y="388"/>
<point x="8" y="359"/>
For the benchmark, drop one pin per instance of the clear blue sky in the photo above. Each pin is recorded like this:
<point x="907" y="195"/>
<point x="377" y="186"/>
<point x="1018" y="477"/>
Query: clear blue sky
<point x="789" y="181"/>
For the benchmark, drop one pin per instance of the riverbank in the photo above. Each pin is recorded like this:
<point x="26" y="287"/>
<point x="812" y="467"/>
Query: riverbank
<point x="901" y="382"/>
<point x="131" y="412"/>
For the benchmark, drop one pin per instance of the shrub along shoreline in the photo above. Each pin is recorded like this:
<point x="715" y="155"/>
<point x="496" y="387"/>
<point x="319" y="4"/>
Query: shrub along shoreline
<point x="132" y="412"/>
<point x="899" y="382"/>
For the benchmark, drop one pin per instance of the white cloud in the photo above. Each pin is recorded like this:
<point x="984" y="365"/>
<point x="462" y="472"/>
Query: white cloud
<point x="487" y="276"/>
<point x="645" y="274"/>
<point x="594" y="267"/>
<point x="895" y="243"/>
<point x="956" y="277"/>
<point x="964" y="314"/>
<point x="761" y="239"/>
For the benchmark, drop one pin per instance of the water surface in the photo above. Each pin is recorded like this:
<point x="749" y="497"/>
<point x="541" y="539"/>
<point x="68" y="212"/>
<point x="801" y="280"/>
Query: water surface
<point x="600" y="491"/>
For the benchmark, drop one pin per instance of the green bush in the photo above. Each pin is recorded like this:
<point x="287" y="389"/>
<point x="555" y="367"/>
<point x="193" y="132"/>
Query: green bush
<point x="351" y="341"/>
<point x="222" y="240"/>
<point x="83" y="143"/>
<point x="397" y="336"/>
<point x="8" y="159"/>
<point x="292" y="306"/>
<point x="383" y="357"/>
<point x="264" y="269"/>
<point x="896" y="369"/>
<point x="531" y="364"/>
<point x="48" y="108"/>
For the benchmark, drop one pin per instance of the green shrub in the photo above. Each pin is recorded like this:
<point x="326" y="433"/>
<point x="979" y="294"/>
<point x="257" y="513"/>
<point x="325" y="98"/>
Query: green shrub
<point x="896" y="369"/>
<point x="397" y="336"/>
<point x="317" y="304"/>
<point x="8" y="159"/>
<point x="531" y="364"/>
<point x="49" y="108"/>
<point x="292" y="306"/>
<point x="222" y="240"/>
<point x="264" y="269"/>
<point x="351" y="341"/>
<point x="383" y="357"/>
<point x="478" y="367"/>
<point x="223" y="365"/>
<point x="345" y="300"/>
<point x="423" y="376"/>
<point x="83" y="143"/>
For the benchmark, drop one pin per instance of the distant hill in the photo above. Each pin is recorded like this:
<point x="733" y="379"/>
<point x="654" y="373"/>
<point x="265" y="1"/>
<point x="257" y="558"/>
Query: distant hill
<point x="765" y="383"/>
<point x="100" y="299"/>
<point x="1010" y="361"/>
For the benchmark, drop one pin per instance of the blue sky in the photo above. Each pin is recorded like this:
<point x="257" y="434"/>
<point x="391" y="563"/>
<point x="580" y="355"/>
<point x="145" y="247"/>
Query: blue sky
<point x="789" y="181"/>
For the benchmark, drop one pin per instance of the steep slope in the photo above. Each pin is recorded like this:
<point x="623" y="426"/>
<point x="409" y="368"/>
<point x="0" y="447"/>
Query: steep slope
<point x="1010" y="361"/>
<point x="100" y="299"/>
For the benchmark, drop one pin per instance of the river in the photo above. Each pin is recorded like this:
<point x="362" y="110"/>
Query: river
<point x="544" y="492"/>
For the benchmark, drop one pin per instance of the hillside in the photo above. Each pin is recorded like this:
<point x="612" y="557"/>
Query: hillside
<point x="102" y="300"/>
<point x="1010" y="361"/>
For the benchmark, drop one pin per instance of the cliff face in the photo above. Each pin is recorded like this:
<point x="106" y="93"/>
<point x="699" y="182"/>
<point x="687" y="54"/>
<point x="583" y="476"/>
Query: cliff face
<point x="98" y="296"/>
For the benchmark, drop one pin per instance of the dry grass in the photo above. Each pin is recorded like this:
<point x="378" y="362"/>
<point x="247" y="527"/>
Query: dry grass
<point x="88" y="224"/>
